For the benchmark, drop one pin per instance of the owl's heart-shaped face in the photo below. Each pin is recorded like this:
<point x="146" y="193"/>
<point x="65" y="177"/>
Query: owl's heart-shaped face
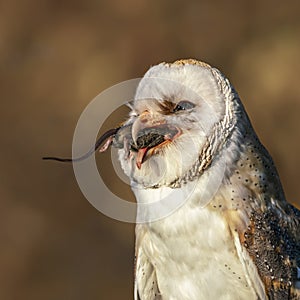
<point x="174" y="114"/>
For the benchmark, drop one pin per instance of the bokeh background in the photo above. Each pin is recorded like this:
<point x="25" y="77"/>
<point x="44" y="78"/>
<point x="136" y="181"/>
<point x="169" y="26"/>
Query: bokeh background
<point x="55" y="57"/>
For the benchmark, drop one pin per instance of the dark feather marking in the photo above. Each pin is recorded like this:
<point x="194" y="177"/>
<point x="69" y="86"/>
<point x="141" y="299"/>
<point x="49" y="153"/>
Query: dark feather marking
<point x="167" y="107"/>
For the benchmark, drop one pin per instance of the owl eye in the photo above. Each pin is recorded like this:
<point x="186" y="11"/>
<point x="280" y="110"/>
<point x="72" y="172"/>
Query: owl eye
<point x="183" y="105"/>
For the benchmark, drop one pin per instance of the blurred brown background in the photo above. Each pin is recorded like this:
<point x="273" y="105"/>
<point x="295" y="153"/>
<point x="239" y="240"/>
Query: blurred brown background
<point x="55" y="56"/>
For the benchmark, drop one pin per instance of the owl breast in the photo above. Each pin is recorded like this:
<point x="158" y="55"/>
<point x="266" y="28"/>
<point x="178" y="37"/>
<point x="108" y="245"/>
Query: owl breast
<point x="194" y="255"/>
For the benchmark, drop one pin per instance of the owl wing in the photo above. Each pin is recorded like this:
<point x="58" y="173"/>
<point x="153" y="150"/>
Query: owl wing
<point x="145" y="285"/>
<point x="295" y="289"/>
<point x="270" y="251"/>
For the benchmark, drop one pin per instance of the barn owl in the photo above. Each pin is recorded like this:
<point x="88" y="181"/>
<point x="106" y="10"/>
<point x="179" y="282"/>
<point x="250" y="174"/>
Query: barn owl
<point x="189" y="141"/>
<point x="187" y="126"/>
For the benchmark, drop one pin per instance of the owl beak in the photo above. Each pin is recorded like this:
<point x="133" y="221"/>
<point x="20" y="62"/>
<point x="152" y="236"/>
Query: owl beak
<point x="142" y="122"/>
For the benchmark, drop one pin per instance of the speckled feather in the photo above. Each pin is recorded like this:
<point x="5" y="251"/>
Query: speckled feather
<point x="245" y="242"/>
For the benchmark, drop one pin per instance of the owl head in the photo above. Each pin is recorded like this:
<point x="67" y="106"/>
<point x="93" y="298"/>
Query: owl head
<point x="182" y="116"/>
